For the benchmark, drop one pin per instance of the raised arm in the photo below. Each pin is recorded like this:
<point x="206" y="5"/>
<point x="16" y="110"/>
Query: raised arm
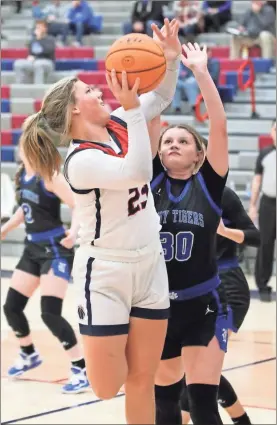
<point x="217" y="150"/>
<point x="91" y="168"/>
<point x="156" y="101"/>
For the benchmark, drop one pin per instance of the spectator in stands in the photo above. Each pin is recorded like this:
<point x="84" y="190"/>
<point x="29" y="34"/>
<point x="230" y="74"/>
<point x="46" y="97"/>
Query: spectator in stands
<point x="257" y="28"/>
<point x="3" y="37"/>
<point x="18" y="6"/>
<point x="81" y="20"/>
<point x="187" y="87"/>
<point x="40" y="62"/>
<point x="145" y="12"/>
<point x="216" y="14"/>
<point x="264" y="182"/>
<point x="190" y="17"/>
<point x="55" y="15"/>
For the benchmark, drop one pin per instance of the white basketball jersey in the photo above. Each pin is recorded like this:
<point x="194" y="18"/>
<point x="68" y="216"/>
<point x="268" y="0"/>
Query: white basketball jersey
<point x="114" y="219"/>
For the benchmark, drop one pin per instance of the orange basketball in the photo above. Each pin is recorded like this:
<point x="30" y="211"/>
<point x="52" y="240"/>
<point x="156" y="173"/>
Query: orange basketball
<point x="140" y="56"/>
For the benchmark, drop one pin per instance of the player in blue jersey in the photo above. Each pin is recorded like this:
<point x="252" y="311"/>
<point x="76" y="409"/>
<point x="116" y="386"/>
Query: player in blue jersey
<point x="187" y="193"/>
<point x="46" y="262"/>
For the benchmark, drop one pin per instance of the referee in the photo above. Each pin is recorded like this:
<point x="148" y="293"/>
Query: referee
<point x="264" y="181"/>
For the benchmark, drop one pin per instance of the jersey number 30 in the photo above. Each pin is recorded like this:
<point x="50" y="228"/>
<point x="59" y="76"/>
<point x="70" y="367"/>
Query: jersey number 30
<point x="181" y="244"/>
<point x="135" y="202"/>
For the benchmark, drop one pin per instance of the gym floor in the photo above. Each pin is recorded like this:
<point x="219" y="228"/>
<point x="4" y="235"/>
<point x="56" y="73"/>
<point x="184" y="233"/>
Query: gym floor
<point x="36" y="398"/>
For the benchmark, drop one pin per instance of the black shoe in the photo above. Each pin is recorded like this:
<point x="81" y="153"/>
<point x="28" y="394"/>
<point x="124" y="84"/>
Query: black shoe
<point x="266" y="294"/>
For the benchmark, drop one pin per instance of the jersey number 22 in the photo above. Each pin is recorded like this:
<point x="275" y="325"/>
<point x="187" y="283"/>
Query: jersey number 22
<point x="135" y="202"/>
<point x="181" y="245"/>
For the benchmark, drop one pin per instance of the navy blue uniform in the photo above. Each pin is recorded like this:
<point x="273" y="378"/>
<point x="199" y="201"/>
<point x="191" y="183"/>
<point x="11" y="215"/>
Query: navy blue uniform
<point x="190" y="211"/>
<point x="44" y="230"/>
<point x="232" y="277"/>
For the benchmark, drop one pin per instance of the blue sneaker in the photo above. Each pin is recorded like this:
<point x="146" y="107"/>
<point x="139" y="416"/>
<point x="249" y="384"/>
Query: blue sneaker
<point x="77" y="383"/>
<point x="24" y="363"/>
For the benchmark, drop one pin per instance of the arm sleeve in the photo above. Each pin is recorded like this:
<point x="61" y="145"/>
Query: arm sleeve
<point x="245" y="18"/>
<point x="154" y="102"/>
<point x="90" y="168"/>
<point x="236" y="213"/>
<point x="214" y="182"/>
<point x="266" y="19"/>
<point x="259" y="166"/>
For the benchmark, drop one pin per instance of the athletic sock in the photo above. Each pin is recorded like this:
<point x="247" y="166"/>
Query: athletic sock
<point x="242" y="420"/>
<point x="28" y="349"/>
<point x="79" y="363"/>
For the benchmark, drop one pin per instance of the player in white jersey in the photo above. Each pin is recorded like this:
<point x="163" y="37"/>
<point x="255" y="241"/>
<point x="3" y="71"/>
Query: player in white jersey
<point x="119" y="266"/>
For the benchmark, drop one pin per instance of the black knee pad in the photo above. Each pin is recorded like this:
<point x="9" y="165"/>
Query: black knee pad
<point x="184" y="397"/>
<point x="203" y="405"/>
<point x="226" y="393"/>
<point x="13" y="309"/>
<point x="168" y="409"/>
<point x="51" y="310"/>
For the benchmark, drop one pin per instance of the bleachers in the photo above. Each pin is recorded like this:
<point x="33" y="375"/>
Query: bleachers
<point x="246" y="135"/>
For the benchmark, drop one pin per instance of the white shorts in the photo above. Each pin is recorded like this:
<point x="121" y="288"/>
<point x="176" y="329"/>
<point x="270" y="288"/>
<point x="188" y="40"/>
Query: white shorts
<point x="111" y="289"/>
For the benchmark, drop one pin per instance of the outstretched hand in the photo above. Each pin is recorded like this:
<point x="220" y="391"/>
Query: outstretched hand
<point x="167" y="38"/>
<point x="196" y="58"/>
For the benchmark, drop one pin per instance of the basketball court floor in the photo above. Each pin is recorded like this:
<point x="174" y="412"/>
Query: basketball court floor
<point x="250" y="365"/>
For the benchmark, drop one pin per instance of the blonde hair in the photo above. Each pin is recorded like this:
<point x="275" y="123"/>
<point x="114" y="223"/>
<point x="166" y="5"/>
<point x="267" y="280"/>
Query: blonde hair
<point x="45" y="130"/>
<point x="200" y="145"/>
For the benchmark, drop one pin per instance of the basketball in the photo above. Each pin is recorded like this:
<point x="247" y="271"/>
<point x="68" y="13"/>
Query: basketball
<point x="140" y="56"/>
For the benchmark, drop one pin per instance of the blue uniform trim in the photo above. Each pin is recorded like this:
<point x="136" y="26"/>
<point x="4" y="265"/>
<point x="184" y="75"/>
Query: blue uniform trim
<point x="173" y="198"/>
<point x="104" y="330"/>
<point x="232" y="327"/>
<point x="228" y="263"/>
<point x="98" y="214"/>
<point x="87" y="290"/>
<point x="226" y="221"/>
<point x="59" y="265"/>
<point x="195" y="291"/>
<point x="119" y="120"/>
<point x="157" y="180"/>
<point x="208" y="196"/>
<point x="45" y="191"/>
<point x="42" y="236"/>
<point x="25" y="182"/>
<point x="222" y="324"/>
<point x="150" y="313"/>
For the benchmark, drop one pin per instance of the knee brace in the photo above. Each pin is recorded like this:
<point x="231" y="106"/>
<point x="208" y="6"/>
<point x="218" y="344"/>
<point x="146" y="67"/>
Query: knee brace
<point x="13" y="309"/>
<point x="168" y="410"/>
<point x="184" y="397"/>
<point x="226" y="393"/>
<point x="51" y="310"/>
<point x="203" y="405"/>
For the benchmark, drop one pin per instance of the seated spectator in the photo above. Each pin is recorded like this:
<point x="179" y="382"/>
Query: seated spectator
<point x="3" y="37"/>
<point x="187" y="87"/>
<point x="81" y="20"/>
<point x="40" y="62"/>
<point x="257" y="28"/>
<point x="55" y="15"/>
<point x="18" y="6"/>
<point x="145" y="12"/>
<point x="216" y="14"/>
<point x="190" y="18"/>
